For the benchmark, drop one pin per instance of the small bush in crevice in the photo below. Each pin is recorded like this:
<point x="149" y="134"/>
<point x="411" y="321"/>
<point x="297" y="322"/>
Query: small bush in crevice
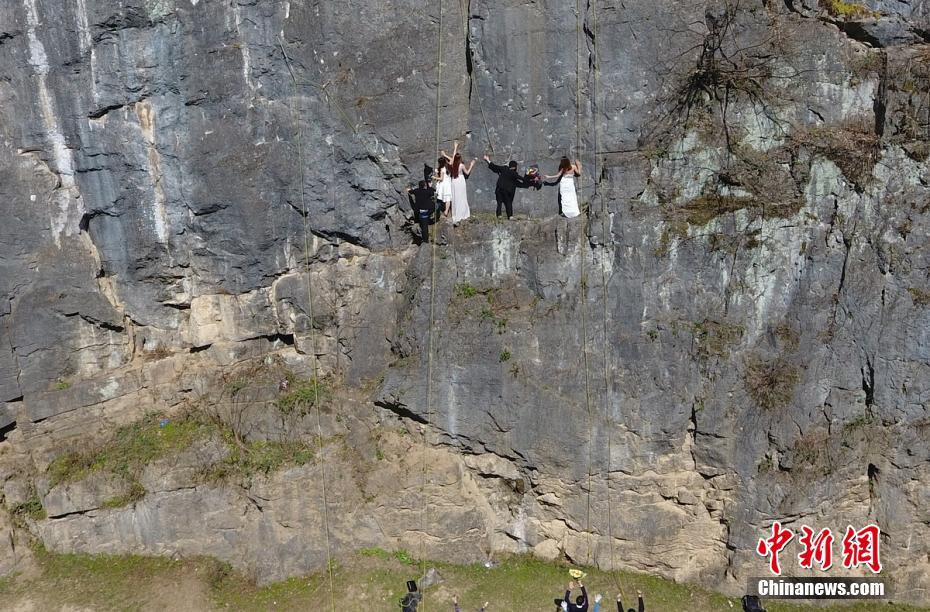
<point x="702" y="210"/>
<point x="813" y="453"/>
<point x="713" y="339"/>
<point x="771" y="384"/>
<point x="920" y="297"/>
<point x="30" y="509"/>
<point x="261" y="457"/>
<point x="135" y="493"/>
<point x="234" y="386"/>
<point x="302" y="396"/>
<point x="218" y="573"/>
<point x="854" y="147"/>
<point x="863" y="420"/>
<point x="465" y="290"/>
<point x="788" y="338"/>
<point x="765" y="465"/>
<point x="850" y="10"/>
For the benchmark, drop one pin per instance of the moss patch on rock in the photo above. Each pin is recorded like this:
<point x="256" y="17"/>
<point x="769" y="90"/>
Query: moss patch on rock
<point x="850" y="10"/>
<point x="130" y="449"/>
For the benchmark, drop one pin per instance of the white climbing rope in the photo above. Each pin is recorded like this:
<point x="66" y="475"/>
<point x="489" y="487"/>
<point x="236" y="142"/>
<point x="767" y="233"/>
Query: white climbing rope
<point x="316" y="372"/>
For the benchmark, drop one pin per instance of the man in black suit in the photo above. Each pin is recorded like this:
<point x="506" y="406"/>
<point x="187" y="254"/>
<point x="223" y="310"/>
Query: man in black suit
<point x="508" y="179"/>
<point x="423" y="202"/>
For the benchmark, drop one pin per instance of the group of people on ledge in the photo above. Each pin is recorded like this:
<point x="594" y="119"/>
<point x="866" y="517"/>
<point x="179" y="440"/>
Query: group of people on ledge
<point x="443" y="191"/>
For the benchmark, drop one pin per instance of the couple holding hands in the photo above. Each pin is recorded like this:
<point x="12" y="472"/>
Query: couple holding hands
<point x="452" y="172"/>
<point x="450" y="191"/>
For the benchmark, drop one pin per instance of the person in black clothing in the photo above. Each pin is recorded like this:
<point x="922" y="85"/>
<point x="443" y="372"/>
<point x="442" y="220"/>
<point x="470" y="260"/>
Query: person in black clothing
<point x="508" y="179"/>
<point x="752" y="603"/>
<point x="413" y="597"/>
<point x="581" y="603"/>
<point x="410" y="602"/>
<point x="423" y="202"/>
<point x="639" y="595"/>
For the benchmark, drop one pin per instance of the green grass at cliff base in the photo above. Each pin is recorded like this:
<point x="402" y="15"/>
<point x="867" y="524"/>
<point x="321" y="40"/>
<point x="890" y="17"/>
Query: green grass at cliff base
<point x="372" y="580"/>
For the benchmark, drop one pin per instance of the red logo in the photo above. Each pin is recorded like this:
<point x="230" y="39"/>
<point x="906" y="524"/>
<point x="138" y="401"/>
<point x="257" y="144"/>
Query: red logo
<point x="817" y="548"/>
<point x="770" y="547"/>
<point x="862" y="548"/>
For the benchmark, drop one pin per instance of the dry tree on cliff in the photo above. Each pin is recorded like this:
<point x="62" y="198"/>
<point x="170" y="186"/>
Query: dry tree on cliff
<point x="737" y="60"/>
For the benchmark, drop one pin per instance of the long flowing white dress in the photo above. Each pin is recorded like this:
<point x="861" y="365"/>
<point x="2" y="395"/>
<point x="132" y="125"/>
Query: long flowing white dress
<point x="444" y="188"/>
<point x="567" y="196"/>
<point x="460" y="210"/>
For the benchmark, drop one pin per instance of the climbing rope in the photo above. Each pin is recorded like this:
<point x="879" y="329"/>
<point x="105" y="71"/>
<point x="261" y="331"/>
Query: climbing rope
<point x="484" y="119"/>
<point x="432" y="317"/>
<point x="583" y="288"/>
<point x="316" y="371"/>
<point x="604" y="231"/>
<point x="578" y="31"/>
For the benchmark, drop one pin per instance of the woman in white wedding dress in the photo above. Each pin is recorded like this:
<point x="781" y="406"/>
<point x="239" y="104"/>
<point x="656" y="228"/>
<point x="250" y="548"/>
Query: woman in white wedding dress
<point x="443" y="188"/>
<point x="459" y="172"/>
<point x="568" y="199"/>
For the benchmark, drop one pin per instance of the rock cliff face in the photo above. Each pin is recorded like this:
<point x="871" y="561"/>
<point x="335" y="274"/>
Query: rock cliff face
<point x="737" y="331"/>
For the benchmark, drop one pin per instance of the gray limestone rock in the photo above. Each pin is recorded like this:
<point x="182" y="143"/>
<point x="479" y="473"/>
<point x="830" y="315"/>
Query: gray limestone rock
<point x="737" y="330"/>
<point x="87" y="494"/>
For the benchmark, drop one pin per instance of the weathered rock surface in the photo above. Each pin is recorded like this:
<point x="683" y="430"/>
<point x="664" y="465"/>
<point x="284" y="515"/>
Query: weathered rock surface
<point x="737" y="331"/>
<point x="274" y="525"/>
<point x="84" y="495"/>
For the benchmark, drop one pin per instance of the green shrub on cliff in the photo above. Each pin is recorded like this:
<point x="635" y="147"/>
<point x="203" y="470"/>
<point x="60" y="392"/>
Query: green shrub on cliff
<point x="302" y="396"/>
<point x="850" y="10"/>
<point x="130" y="449"/>
<point x="29" y="509"/>
<point x="260" y="457"/>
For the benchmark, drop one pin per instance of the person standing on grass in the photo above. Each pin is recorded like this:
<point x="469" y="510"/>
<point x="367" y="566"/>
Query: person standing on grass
<point x="410" y="602"/>
<point x="639" y="595"/>
<point x="581" y="602"/>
